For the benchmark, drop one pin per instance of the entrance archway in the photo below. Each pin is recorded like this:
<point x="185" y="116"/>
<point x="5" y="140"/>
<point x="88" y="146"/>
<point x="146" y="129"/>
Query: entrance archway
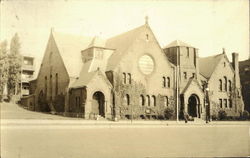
<point x="194" y="106"/>
<point x="98" y="104"/>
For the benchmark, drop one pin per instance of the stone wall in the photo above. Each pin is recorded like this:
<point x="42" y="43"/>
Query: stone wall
<point x="142" y="84"/>
<point x="28" y="102"/>
<point x="223" y="69"/>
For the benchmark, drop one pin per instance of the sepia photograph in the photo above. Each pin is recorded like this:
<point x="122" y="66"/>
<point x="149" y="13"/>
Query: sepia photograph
<point x="124" y="79"/>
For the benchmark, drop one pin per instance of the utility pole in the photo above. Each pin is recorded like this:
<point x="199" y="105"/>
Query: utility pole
<point x="177" y="85"/>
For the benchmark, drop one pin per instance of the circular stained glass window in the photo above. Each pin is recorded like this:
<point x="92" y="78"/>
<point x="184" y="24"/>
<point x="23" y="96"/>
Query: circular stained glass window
<point x="146" y="64"/>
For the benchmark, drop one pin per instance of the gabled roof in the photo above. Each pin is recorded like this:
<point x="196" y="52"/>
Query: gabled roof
<point x="189" y="83"/>
<point x="86" y="76"/>
<point x="121" y="44"/>
<point x="207" y="65"/>
<point x="70" y="47"/>
<point x="178" y="43"/>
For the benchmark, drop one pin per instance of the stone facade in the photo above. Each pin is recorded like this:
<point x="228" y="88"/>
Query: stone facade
<point x="131" y="76"/>
<point x="48" y="86"/>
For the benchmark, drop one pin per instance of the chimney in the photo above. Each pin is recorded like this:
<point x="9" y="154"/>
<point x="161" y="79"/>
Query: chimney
<point x="235" y="62"/>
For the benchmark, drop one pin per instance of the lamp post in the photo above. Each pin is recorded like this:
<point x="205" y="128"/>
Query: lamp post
<point x="208" y="104"/>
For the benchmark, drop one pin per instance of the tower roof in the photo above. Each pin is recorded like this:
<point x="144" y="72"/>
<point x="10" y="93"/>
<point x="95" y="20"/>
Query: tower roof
<point x="178" y="43"/>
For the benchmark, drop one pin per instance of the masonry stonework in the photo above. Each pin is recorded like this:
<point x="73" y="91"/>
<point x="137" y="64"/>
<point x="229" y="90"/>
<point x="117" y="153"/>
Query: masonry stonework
<point x="131" y="76"/>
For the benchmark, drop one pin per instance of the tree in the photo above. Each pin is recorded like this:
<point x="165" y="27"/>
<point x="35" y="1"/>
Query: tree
<point x="14" y="67"/>
<point x="3" y="68"/>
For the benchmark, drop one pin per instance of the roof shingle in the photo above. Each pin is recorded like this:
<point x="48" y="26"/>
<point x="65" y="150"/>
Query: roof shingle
<point x="207" y="65"/>
<point x="70" y="47"/>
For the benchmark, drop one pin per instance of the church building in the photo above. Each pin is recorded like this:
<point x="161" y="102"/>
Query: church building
<point x="131" y="76"/>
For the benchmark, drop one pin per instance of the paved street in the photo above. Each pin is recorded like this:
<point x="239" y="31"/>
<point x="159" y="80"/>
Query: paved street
<point x="66" y="138"/>
<point x="100" y="141"/>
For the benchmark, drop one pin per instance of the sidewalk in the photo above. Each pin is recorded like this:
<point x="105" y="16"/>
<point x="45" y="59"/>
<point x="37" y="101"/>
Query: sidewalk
<point x="13" y="115"/>
<point x="81" y="122"/>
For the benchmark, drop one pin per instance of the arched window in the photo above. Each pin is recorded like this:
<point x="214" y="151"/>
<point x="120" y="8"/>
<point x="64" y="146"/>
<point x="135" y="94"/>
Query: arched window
<point x="225" y="80"/>
<point x="129" y="78"/>
<point x="126" y="99"/>
<point x="220" y="84"/>
<point x="124" y="78"/>
<point x="168" y="81"/>
<point x="164" y="81"/>
<point x="154" y="100"/>
<point x="148" y="100"/>
<point x="230" y="85"/>
<point x="166" y="101"/>
<point x="142" y="100"/>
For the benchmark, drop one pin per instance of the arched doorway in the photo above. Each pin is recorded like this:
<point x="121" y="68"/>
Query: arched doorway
<point x="98" y="104"/>
<point x="194" y="106"/>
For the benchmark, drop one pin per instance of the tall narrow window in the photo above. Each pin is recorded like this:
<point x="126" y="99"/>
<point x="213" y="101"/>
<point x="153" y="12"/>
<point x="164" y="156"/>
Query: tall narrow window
<point x="185" y="75"/>
<point x="230" y="103"/>
<point x="225" y="84"/>
<point x="154" y="100"/>
<point x="193" y="74"/>
<point x="220" y="84"/>
<point x="148" y="100"/>
<point x="76" y="102"/>
<point x="187" y="51"/>
<point x="164" y="81"/>
<point x="230" y="85"/>
<point x="165" y="101"/>
<point x="220" y="102"/>
<point x="45" y="85"/>
<point x="147" y="37"/>
<point x="129" y="78"/>
<point x="56" y="83"/>
<point x="225" y="102"/>
<point x="50" y="86"/>
<point x="127" y="99"/>
<point x="142" y="100"/>
<point x="124" y="78"/>
<point x="168" y="81"/>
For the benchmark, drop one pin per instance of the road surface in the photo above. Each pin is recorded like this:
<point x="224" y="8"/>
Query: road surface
<point x="55" y="137"/>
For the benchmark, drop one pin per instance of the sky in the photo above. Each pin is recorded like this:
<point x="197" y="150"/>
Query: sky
<point x="208" y="25"/>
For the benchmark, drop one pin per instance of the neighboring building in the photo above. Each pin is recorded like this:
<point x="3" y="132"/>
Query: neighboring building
<point x="223" y="83"/>
<point x="244" y="67"/>
<point x="28" y="68"/>
<point x="131" y="74"/>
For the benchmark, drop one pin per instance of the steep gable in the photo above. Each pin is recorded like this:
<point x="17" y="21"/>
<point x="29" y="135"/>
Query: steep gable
<point x="121" y="44"/>
<point x="70" y="47"/>
<point x="192" y="80"/>
<point x="87" y="75"/>
<point x="207" y="65"/>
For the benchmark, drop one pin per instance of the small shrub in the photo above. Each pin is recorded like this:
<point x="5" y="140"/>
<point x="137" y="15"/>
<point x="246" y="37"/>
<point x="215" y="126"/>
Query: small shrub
<point x="245" y="115"/>
<point x="222" y="115"/>
<point x="160" y="117"/>
<point x="214" y="117"/>
<point x="58" y="103"/>
<point x="169" y="113"/>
